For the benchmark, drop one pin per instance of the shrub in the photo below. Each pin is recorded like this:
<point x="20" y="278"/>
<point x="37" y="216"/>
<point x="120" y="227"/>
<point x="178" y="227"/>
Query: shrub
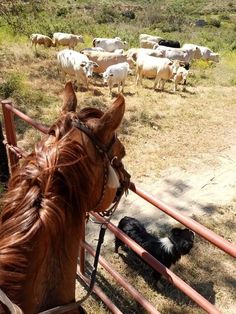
<point x="233" y="46"/>
<point x="12" y="85"/>
<point x="214" y="22"/>
<point x="62" y="12"/>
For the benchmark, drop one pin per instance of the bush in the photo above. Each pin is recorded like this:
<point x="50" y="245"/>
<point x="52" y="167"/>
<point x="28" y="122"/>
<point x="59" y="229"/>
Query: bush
<point x="233" y="46"/>
<point x="214" y="22"/>
<point x="11" y="86"/>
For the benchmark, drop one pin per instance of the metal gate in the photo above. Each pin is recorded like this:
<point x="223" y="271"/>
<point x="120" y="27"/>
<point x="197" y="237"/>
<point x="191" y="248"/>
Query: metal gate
<point x="14" y="154"/>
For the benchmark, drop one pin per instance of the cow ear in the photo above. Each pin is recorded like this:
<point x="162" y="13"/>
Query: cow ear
<point x="111" y="74"/>
<point x="69" y="98"/>
<point x="111" y="120"/>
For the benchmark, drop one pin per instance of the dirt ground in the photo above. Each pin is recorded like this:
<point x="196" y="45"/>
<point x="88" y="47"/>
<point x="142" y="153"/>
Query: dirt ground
<point x="205" y="183"/>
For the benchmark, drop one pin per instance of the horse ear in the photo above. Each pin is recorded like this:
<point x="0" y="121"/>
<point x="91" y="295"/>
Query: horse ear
<point x="69" y="98"/>
<point x="111" y="119"/>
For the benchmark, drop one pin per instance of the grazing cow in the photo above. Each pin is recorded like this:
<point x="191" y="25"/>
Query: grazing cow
<point x="132" y="53"/>
<point x="146" y="43"/>
<point x="110" y="44"/>
<point x="65" y="39"/>
<point x="105" y="59"/>
<point x="205" y="52"/>
<point x="92" y="49"/>
<point x="149" y="37"/>
<point x="39" y="39"/>
<point x="75" y="64"/>
<point x="169" y="43"/>
<point x="116" y="74"/>
<point x="181" y="54"/>
<point x="162" y="69"/>
<point x="180" y="77"/>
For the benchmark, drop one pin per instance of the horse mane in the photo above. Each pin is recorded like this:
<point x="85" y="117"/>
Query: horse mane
<point x="41" y="196"/>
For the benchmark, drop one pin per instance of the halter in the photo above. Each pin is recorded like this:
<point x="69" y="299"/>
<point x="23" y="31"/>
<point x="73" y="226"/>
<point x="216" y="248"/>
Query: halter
<point x="124" y="176"/>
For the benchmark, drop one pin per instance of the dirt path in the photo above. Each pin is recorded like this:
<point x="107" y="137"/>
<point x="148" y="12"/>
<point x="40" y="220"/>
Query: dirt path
<point x="194" y="192"/>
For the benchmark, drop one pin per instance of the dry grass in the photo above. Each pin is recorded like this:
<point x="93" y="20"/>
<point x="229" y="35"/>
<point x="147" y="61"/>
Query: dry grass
<point x="160" y="130"/>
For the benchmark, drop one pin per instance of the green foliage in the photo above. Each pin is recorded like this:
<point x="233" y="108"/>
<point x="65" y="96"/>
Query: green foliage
<point x="15" y="87"/>
<point x="214" y="22"/>
<point x="12" y="85"/>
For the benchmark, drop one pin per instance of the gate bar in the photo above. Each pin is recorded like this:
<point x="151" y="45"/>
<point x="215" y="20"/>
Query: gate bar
<point x="167" y="273"/>
<point x="98" y="291"/>
<point x="10" y="134"/>
<point x="7" y="104"/>
<point x="207" y="234"/>
<point x="120" y="279"/>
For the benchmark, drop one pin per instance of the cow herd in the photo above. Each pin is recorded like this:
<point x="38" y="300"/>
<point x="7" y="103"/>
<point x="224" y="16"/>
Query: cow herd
<point x="156" y="58"/>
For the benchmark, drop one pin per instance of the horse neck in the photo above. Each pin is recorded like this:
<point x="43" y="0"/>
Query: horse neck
<point x="46" y="261"/>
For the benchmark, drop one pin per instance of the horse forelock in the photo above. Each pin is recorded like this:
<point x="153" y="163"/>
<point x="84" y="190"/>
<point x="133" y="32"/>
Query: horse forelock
<point x="44" y="194"/>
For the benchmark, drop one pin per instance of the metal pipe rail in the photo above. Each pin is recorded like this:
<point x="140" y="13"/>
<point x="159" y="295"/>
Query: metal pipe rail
<point x="120" y="279"/>
<point x="154" y="263"/>
<point x="114" y="309"/>
<point x="207" y="234"/>
<point x="221" y="243"/>
<point x="7" y="104"/>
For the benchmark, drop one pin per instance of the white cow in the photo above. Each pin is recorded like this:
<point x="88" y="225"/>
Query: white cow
<point x="205" y="53"/>
<point x="149" y="37"/>
<point x="39" y="39"/>
<point x="116" y="74"/>
<point x="92" y="49"/>
<point x="180" y="77"/>
<point x="65" y="39"/>
<point x="76" y="65"/>
<point x="146" y="43"/>
<point x="132" y="53"/>
<point x="182" y="54"/>
<point x="162" y="69"/>
<point x="110" y="44"/>
<point x="105" y="59"/>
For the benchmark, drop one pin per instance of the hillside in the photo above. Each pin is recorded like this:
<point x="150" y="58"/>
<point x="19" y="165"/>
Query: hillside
<point x="179" y="147"/>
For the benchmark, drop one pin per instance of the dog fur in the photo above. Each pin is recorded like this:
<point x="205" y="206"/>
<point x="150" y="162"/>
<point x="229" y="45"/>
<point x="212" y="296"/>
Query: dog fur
<point x="167" y="250"/>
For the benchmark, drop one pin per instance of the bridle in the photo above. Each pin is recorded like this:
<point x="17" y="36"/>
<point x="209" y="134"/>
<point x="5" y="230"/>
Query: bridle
<point x="105" y="150"/>
<point x="124" y="179"/>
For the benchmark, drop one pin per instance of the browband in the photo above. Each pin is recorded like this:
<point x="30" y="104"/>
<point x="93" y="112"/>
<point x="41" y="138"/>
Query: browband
<point x="84" y="128"/>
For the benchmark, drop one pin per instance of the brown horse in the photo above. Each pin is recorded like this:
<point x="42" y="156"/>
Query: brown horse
<point x="68" y="174"/>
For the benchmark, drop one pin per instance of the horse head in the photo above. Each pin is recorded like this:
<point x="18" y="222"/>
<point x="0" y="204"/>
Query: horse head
<point x="76" y="168"/>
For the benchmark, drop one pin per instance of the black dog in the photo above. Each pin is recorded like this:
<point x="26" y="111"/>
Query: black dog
<point x="166" y="250"/>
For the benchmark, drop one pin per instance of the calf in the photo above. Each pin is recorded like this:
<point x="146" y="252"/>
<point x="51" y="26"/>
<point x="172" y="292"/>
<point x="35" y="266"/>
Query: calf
<point x="39" y="39"/>
<point x="116" y="74"/>
<point x="76" y="65"/>
<point x="180" y="77"/>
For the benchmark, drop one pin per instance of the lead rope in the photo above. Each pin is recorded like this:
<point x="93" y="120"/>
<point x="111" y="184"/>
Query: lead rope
<point x="12" y="307"/>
